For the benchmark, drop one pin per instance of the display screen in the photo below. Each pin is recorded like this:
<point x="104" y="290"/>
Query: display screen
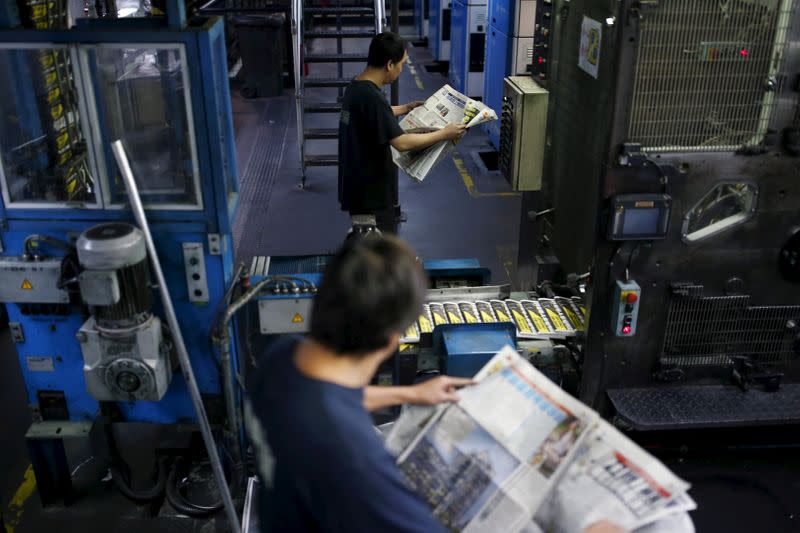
<point x="641" y="221"/>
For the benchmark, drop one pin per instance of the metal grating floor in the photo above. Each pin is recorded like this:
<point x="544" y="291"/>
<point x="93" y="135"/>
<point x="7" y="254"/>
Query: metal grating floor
<point x="705" y="407"/>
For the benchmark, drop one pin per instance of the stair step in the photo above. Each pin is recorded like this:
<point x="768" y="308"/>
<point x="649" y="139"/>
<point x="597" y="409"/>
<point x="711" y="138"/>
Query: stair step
<point x="332" y="34"/>
<point x="321" y="133"/>
<point x="338" y="11"/>
<point x="335" y="58"/>
<point x="326" y="82"/>
<point x="327" y="107"/>
<point x="321" y="160"/>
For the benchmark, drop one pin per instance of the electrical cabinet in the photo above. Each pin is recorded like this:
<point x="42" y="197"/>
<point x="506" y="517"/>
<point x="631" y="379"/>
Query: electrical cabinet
<point x="523" y="122"/>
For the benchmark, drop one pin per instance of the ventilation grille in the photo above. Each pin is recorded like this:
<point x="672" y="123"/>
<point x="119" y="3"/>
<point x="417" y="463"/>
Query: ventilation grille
<point x="704" y="71"/>
<point x="707" y="331"/>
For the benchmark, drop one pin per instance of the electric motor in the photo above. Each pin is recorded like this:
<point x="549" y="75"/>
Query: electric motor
<point x="124" y="352"/>
<point x="116" y="279"/>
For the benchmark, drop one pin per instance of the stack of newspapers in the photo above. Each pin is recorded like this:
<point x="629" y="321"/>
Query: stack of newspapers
<point x="519" y="454"/>
<point x="446" y="106"/>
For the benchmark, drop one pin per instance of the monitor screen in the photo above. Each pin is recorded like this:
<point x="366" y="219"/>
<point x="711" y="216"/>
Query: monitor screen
<point x="641" y="221"/>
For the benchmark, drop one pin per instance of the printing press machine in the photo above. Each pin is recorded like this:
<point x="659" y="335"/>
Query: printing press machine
<point x="465" y="319"/>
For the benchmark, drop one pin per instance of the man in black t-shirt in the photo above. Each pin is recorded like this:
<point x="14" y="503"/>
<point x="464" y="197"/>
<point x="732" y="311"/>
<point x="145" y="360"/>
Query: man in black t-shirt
<point x="368" y="128"/>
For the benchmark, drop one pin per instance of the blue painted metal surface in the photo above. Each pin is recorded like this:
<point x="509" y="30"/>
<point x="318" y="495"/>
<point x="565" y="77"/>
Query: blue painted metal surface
<point x="457" y="269"/>
<point x="463" y="349"/>
<point x="419" y="17"/>
<point x="53" y="335"/>
<point x="498" y="65"/>
<point x="459" y="33"/>
<point x="439" y="29"/>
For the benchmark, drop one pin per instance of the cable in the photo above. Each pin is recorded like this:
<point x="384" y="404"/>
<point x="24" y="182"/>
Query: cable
<point x="630" y="257"/>
<point x="52" y="241"/>
<point x="180" y="503"/>
<point x="141" y="496"/>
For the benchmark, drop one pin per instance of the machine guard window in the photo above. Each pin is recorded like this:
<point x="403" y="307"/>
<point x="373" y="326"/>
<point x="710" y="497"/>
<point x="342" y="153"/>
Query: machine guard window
<point x="725" y="206"/>
<point x="45" y="160"/>
<point x="142" y="95"/>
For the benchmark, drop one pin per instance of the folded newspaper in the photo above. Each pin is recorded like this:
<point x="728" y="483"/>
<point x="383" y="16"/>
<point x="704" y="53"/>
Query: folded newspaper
<point x="519" y="454"/>
<point x="446" y="106"/>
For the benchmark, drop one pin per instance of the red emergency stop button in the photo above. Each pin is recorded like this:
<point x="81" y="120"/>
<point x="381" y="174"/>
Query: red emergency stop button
<point x="631" y="298"/>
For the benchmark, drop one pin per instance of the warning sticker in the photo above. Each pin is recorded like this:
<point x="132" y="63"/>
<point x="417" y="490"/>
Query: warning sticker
<point x="297" y="318"/>
<point x="26" y="285"/>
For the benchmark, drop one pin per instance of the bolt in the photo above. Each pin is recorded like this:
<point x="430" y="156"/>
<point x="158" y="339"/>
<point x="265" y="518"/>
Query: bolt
<point x="81" y="336"/>
<point x="791" y="324"/>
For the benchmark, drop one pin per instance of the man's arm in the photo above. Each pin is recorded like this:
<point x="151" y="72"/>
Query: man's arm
<point x="418" y="141"/>
<point x="399" y="110"/>
<point x="431" y="392"/>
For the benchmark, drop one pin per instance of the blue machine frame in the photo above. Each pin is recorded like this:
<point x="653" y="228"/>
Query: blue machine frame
<point x="439" y="24"/>
<point x="54" y="336"/>
<point x="468" y="46"/>
<point x="509" y="51"/>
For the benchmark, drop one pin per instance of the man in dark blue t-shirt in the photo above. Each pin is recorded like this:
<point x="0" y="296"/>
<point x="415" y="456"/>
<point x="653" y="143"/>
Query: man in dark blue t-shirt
<point x="321" y="463"/>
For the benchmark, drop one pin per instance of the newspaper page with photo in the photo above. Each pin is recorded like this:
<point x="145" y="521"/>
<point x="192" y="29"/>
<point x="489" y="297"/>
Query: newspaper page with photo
<point x="445" y="106"/>
<point x="515" y="441"/>
<point x="486" y="463"/>
<point x="617" y="481"/>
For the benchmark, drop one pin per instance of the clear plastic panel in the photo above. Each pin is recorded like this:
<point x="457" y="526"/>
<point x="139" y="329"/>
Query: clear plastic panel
<point x="725" y="206"/>
<point x="143" y="99"/>
<point x="44" y="161"/>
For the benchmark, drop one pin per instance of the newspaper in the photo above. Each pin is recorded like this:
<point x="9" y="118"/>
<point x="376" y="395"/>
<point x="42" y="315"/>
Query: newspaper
<point x="445" y="106"/>
<point x="517" y="453"/>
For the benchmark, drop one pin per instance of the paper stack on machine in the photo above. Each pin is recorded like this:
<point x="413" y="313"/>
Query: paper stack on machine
<point x="519" y="454"/>
<point x="534" y="319"/>
<point x="446" y="106"/>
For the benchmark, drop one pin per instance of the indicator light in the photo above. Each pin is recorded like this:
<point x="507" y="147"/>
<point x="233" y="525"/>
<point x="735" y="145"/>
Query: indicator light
<point x="626" y="330"/>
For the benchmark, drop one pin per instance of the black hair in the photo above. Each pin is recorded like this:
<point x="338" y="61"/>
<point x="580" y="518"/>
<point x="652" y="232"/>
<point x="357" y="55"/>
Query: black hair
<point x="385" y="47"/>
<point x="372" y="288"/>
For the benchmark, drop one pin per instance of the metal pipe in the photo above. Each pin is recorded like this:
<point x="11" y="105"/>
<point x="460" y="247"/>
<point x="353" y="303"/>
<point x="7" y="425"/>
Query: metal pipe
<point x="172" y="319"/>
<point x="297" y="39"/>
<point x="226" y="370"/>
<point x="222" y="338"/>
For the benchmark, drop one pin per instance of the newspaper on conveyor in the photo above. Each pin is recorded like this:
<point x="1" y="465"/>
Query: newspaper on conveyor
<point x="445" y="106"/>
<point x="517" y="453"/>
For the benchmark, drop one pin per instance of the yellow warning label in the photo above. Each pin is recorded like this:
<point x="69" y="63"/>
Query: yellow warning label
<point x="297" y="318"/>
<point x="487" y="317"/>
<point x="26" y="285"/>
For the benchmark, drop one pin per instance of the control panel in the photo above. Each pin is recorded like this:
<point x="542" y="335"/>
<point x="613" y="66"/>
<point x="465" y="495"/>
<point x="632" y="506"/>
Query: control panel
<point x="194" y="266"/>
<point x="285" y="306"/>
<point x="523" y="122"/>
<point x="625" y="310"/>
<point x="541" y="39"/>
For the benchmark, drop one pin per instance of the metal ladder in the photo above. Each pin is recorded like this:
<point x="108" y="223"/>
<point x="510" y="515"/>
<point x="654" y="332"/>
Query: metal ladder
<point x="298" y="12"/>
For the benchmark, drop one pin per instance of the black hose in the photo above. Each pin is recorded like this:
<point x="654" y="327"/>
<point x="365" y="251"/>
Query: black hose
<point x="141" y="496"/>
<point x="181" y="504"/>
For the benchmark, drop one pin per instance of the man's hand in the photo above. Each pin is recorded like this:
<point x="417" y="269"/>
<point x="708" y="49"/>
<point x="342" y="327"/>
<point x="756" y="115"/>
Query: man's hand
<point x="453" y="132"/>
<point x="413" y="105"/>
<point x="604" y="526"/>
<point x="438" y="390"/>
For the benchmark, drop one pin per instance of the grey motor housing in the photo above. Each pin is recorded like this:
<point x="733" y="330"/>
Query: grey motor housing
<point x="126" y="357"/>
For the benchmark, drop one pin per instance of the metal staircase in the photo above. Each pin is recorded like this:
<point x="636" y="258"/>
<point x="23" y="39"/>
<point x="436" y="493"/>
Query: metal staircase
<point x="351" y="22"/>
